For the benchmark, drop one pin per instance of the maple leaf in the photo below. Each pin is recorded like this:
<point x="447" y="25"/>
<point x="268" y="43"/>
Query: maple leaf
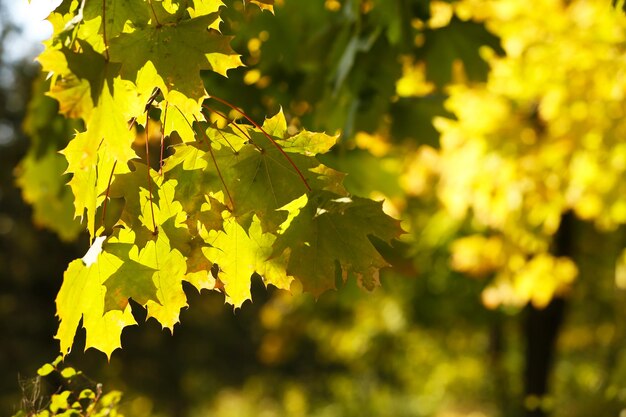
<point x="152" y="276"/>
<point x="199" y="266"/>
<point x="189" y="168"/>
<point x="169" y="269"/>
<point x="178" y="51"/>
<point x="91" y="165"/>
<point x="114" y="101"/>
<point x="43" y="186"/>
<point x="72" y="87"/>
<point x="130" y="280"/>
<point x="162" y="250"/>
<point x="109" y="120"/>
<point x="332" y="228"/>
<point x="82" y="295"/>
<point x="309" y="143"/>
<point x="263" y="4"/>
<point x="179" y="110"/>
<point x="252" y="172"/>
<point x="130" y="186"/>
<point x="210" y="214"/>
<point x="276" y="125"/>
<point x="119" y="15"/>
<point x="74" y="97"/>
<point x="89" y="65"/>
<point x="206" y="7"/>
<point x="263" y="179"/>
<point x="240" y="254"/>
<point x="304" y="142"/>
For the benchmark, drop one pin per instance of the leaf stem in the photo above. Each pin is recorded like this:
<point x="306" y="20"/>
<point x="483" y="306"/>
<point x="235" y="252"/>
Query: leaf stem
<point x="217" y="168"/>
<point x="231" y="121"/>
<point x="154" y="227"/>
<point x="153" y="96"/>
<point x="162" y="138"/>
<point x="156" y="19"/>
<point x="282" y="151"/>
<point x="228" y="120"/>
<point x="104" y="30"/>
<point x="106" y="195"/>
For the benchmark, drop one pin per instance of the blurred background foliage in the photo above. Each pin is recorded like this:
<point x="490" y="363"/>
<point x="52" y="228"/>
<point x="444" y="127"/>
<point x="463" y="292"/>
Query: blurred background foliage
<point x="494" y="130"/>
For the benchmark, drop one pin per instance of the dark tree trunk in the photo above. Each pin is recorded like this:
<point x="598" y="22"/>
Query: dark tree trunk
<point x="541" y="329"/>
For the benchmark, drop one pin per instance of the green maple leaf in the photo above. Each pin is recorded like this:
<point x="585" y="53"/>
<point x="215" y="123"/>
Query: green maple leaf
<point x="211" y="214"/>
<point x="114" y="101"/>
<point x="309" y="143"/>
<point x="131" y="280"/>
<point x="152" y="276"/>
<point x="252" y="173"/>
<point x="178" y="51"/>
<point x="304" y="142"/>
<point x="190" y="169"/>
<point x="263" y="179"/>
<point x="88" y="65"/>
<point x="332" y="229"/>
<point x="163" y="249"/>
<point x="171" y="269"/>
<point x="199" y="266"/>
<point x="82" y="295"/>
<point x="130" y="186"/>
<point x="120" y="15"/>
<point x="240" y="254"/>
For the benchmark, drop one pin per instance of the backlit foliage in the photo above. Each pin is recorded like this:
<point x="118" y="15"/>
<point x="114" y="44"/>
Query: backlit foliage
<point x="222" y="200"/>
<point x="542" y="137"/>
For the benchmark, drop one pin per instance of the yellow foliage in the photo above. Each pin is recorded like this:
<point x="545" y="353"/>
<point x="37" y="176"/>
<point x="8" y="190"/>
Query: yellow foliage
<point x="413" y="82"/>
<point x="478" y="255"/>
<point x="441" y="13"/>
<point x="536" y="280"/>
<point x="541" y="137"/>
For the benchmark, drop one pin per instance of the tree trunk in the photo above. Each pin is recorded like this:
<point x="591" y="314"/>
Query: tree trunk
<point x="541" y="329"/>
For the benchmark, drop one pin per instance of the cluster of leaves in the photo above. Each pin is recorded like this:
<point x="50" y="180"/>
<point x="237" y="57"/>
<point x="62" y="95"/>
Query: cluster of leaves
<point x="512" y="156"/>
<point x="74" y="395"/>
<point x="222" y="202"/>
<point x="541" y="138"/>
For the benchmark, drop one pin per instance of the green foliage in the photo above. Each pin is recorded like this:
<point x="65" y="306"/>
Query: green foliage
<point x="41" y="173"/>
<point x="65" y="392"/>
<point x="481" y="123"/>
<point x="217" y="210"/>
